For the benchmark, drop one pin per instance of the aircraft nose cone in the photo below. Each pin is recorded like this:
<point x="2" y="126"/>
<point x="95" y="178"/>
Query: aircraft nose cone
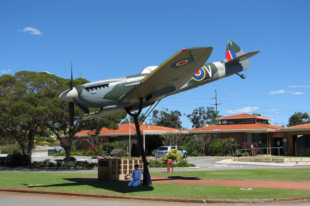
<point x="69" y="94"/>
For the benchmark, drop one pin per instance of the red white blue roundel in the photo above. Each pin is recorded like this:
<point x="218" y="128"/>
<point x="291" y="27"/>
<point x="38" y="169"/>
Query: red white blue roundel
<point x="199" y="75"/>
<point x="182" y="62"/>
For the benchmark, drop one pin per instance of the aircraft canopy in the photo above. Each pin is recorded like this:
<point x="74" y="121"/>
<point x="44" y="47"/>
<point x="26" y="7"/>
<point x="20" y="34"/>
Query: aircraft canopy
<point x="148" y="70"/>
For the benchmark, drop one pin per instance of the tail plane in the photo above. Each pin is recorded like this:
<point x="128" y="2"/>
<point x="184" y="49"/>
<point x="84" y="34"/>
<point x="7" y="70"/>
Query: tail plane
<point x="235" y="55"/>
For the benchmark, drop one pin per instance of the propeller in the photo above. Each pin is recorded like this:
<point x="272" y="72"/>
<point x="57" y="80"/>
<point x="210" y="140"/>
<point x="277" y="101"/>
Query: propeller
<point x="72" y="96"/>
<point x="76" y="100"/>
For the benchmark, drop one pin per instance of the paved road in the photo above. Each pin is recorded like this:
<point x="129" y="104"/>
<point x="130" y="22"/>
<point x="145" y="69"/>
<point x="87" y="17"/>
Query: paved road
<point x="202" y="163"/>
<point x="21" y="199"/>
<point x="212" y="163"/>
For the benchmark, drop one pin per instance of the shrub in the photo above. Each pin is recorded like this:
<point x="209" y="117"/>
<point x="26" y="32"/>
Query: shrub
<point x="247" y="145"/>
<point x="90" y="153"/>
<point x="69" y="164"/>
<point x="154" y="152"/>
<point x="217" y="148"/>
<point x="18" y="159"/>
<point x="50" y="140"/>
<point x="39" y="139"/>
<point x="118" y="153"/>
<point x="10" y="149"/>
<point x="47" y="143"/>
<point x="35" y="163"/>
<point x="160" y="161"/>
<point x="230" y="144"/>
<point x="192" y="149"/>
<point x="173" y="154"/>
<point x="183" y="163"/>
<point x="241" y="154"/>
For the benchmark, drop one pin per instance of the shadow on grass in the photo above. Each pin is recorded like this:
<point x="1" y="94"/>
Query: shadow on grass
<point x="183" y="178"/>
<point x="116" y="186"/>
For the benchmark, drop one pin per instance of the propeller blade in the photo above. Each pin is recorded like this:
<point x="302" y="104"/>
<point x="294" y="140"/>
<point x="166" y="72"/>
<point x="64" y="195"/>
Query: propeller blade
<point x="64" y="88"/>
<point x="71" y="113"/>
<point x="81" y="104"/>
<point x="71" y="83"/>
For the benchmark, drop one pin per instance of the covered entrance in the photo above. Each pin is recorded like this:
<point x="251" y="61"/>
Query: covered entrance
<point x="301" y="145"/>
<point x="280" y="142"/>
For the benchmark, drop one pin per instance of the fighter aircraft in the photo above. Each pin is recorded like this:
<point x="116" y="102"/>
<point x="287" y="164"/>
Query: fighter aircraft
<point x="185" y="70"/>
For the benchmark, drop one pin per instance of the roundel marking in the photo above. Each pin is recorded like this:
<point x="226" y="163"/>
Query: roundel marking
<point x="181" y="63"/>
<point x="199" y="75"/>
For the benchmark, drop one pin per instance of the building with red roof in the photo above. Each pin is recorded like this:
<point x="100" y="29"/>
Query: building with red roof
<point x="252" y="128"/>
<point x="150" y="134"/>
<point x="243" y="127"/>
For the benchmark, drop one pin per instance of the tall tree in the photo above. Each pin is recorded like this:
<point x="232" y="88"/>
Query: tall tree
<point x="174" y="138"/>
<point x="29" y="104"/>
<point x="298" y="118"/>
<point x="58" y="119"/>
<point x="167" y="119"/>
<point x="23" y="106"/>
<point x="200" y="116"/>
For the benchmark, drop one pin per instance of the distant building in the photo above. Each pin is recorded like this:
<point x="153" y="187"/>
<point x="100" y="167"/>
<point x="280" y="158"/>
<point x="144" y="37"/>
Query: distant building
<point x="252" y="128"/>
<point x="243" y="127"/>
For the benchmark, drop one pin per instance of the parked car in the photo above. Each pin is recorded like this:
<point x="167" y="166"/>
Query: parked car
<point x="163" y="150"/>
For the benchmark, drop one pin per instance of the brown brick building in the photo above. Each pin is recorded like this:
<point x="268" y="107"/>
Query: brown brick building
<point x="243" y="127"/>
<point x="150" y="135"/>
<point x="251" y="128"/>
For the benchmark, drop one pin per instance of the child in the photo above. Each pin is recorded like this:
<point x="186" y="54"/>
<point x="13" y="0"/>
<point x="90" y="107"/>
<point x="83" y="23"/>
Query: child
<point x="136" y="177"/>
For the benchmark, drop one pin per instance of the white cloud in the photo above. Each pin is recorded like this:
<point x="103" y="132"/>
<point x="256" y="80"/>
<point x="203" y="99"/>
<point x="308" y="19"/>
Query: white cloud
<point x="273" y="110"/>
<point x="296" y="86"/>
<point x="6" y="71"/>
<point x="277" y="92"/>
<point x="297" y="93"/>
<point x="32" y="31"/>
<point x="243" y="110"/>
<point x="47" y="72"/>
<point x="283" y="91"/>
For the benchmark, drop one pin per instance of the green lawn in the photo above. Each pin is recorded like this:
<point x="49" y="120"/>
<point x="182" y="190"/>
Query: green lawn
<point x="290" y="175"/>
<point x="87" y="183"/>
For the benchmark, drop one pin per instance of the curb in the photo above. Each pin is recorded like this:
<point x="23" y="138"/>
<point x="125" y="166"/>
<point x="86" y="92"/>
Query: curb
<point x="270" y="200"/>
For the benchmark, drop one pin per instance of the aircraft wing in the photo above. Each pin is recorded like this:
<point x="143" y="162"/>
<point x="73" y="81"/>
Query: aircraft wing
<point x="170" y="75"/>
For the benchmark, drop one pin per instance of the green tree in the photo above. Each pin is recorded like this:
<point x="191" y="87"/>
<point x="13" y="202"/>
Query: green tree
<point x="58" y="119"/>
<point x="23" y="106"/>
<point x="230" y="144"/>
<point x="298" y="118"/>
<point x="29" y="104"/>
<point x="200" y="116"/>
<point x="174" y="138"/>
<point x="167" y="118"/>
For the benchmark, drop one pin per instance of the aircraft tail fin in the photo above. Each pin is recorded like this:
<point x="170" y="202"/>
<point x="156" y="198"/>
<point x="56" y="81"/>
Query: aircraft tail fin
<point x="232" y="51"/>
<point x="235" y="55"/>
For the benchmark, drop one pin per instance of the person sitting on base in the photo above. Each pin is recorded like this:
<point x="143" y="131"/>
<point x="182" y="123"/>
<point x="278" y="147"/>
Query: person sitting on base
<point x="136" y="177"/>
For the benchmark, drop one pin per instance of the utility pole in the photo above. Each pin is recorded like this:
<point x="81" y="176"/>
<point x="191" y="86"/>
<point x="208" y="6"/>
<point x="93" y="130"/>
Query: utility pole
<point x="216" y="106"/>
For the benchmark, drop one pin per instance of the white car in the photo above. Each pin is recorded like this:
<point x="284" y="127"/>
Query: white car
<point x="163" y="150"/>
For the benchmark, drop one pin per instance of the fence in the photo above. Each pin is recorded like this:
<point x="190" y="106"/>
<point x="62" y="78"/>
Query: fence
<point x="261" y="148"/>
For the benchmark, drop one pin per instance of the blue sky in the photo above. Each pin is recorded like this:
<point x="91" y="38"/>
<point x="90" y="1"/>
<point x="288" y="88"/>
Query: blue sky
<point x="108" y="39"/>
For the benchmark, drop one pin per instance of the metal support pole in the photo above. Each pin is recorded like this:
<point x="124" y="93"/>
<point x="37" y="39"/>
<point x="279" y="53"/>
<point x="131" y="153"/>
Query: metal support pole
<point x="146" y="174"/>
<point x="216" y="121"/>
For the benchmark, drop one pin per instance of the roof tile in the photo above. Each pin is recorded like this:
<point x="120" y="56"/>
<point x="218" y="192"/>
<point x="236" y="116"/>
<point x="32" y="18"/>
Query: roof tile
<point x="237" y="127"/>
<point x="124" y="128"/>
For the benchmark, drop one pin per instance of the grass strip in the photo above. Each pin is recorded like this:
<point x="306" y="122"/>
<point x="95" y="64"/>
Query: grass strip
<point x="87" y="183"/>
<point x="287" y="175"/>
